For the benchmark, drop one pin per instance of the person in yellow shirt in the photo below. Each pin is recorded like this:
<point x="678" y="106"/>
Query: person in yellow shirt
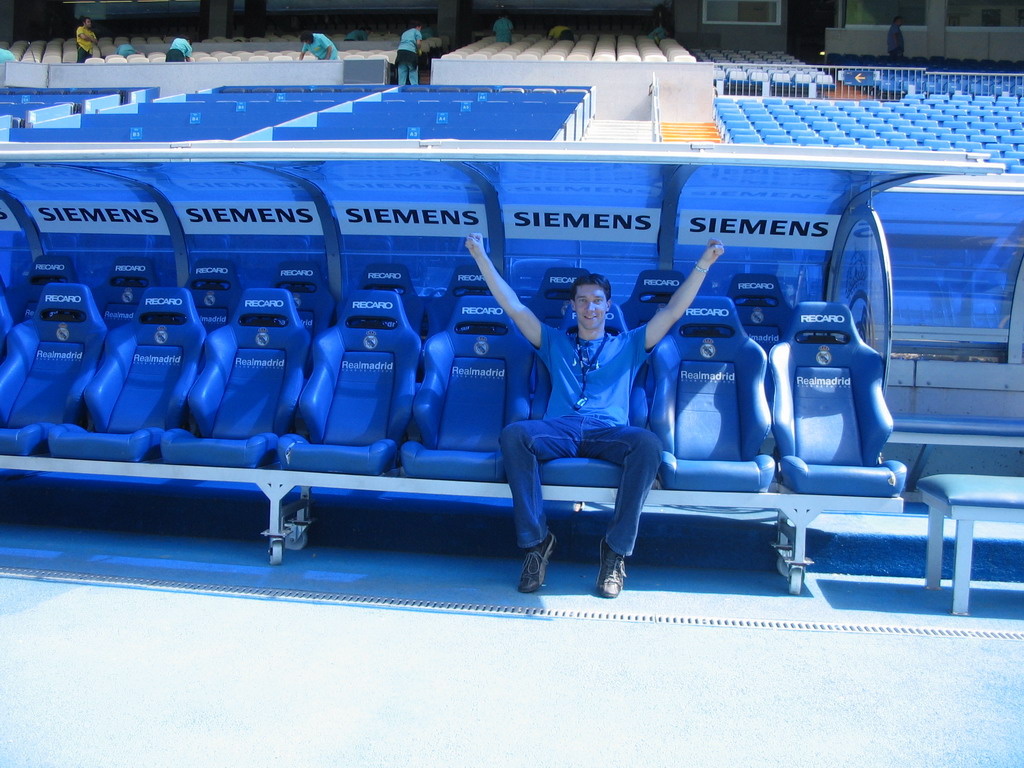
<point x="561" y="32"/>
<point x="86" y="40"/>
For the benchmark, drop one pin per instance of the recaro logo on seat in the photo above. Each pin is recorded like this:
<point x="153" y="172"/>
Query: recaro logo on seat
<point x="62" y="298"/>
<point x="212" y="271"/>
<point x="129" y="268"/>
<point x="471" y="278"/>
<point x="277" y="303"/>
<point x="822" y="319"/>
<point x="49" y="268"/>
<point x="162" y="301"/>
<point x="707" y="312"/>
<point x="373" y="305"/>
<point x="296" y="273"/>
<point x="383" y="276"/>
<point x="660" y="282"/>
<point x="562" y="280"/>
<point x="756" y="286"/>
<point x="483" y="311"/>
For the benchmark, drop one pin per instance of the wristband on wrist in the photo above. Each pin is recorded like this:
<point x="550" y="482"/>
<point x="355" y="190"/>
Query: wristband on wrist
<point x="699" y="268"/>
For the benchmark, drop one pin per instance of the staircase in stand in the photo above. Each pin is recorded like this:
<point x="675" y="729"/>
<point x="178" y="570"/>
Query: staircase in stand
<point x="690" y="132"/>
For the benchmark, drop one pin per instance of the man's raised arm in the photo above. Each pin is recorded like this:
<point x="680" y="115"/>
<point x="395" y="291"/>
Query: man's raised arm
<point x="663" y="321"/>
<point x="527" y="322"/>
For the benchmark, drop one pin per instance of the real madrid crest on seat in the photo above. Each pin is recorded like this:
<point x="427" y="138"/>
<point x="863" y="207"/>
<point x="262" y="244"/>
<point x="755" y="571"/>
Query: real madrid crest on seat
<point x="215" y="290"/>
<point x="118" y="296"/>
<point x="763" y="307"/>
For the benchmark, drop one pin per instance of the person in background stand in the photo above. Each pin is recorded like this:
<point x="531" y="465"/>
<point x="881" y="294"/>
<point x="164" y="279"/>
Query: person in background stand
<point x="503" y="29"/>
<point x="894" y="39"/>
<point x="86" y="40"/>
<point x="407" y="60"/>
<point x="320" y="46"/>
<point x="587" y="414"/>
<point x="180" y="50"/>
<point x="359" y="34"/>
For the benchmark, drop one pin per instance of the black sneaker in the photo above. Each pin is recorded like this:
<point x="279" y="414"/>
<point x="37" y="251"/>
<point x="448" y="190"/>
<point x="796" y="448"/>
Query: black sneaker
<point x="612" y="573"/>
<point x="536" y="564"/>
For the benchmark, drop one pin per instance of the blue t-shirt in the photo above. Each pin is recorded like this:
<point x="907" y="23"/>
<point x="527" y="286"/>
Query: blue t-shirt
<point x="356" y="34"/>
<point x="409" y="39"/>
<point x="321" y="47"/>
<point x="6" y="55"/>
<point x="608" y="384"/>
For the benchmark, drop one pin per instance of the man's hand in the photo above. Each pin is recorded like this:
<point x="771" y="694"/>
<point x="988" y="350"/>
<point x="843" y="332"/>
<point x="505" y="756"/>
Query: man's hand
<point x="475" y="245"/>
<point x="711" y="254"/>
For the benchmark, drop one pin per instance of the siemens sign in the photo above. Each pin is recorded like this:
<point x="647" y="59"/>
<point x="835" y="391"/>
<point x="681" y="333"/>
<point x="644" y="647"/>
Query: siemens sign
<point x="238" y="218"/>
<point x="758" y="229"/>
<point x="568" y="222"/>
<point x="93" y="218"/>
<point x="426" y="219"/>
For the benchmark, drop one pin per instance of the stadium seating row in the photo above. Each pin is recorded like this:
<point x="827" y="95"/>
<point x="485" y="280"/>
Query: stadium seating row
<point x="975" y="124"/>
<point x="587" y="48"/>
<point x="160" y="392"/>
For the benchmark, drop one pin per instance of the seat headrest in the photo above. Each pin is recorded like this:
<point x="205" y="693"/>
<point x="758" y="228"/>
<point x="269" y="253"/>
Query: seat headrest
<point x="167" y="316"/>
<point x="467" y="280"/>
<point x="299" y="277"/>
<point x="270" y="310"/>
<point x="479" y="316"/>
<point x="655" y="286"/>
<point x="51" y="269"/>
<point x="372" y="310"/>
<point x="132" y="272"/>
<point x="711" y="316"/>
<point x="557" y="282"/>
<point x="817" y="323"/>
<point x="213" y="275"/>
<point x="69" y="308"/>
<point x="756" y="290"/>
<point x="388" y="277"/>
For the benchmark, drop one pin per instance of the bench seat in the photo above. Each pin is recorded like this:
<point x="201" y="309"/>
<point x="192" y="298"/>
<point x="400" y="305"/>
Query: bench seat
<point x="965" y="499"/>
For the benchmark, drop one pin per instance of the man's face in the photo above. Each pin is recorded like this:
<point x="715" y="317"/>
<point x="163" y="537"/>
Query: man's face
<point x="590" y="305"/>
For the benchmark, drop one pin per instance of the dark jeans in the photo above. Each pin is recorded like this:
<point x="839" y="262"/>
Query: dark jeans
<point x="82" y="54"/>
<point x="524" y="444"/>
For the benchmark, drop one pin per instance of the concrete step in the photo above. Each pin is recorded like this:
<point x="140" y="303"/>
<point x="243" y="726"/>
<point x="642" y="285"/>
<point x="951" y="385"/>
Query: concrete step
<point x="690" y="132"/>
<point x="620" y="130"/>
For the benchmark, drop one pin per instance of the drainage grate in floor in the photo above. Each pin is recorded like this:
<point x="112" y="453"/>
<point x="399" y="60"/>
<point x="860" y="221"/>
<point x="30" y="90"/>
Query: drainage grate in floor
<point x="504" y="610"/>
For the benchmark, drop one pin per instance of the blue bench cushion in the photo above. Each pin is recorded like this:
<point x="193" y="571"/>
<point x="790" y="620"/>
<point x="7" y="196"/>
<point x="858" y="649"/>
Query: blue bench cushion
<point x="958" y="425"/>
<point x="976" y="490"/>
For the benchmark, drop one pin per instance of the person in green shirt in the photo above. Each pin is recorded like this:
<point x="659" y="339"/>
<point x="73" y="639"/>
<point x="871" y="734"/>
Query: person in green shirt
<point x="6" y="55"/>
<point x="180" y="50"/>
<point x="503" y="29"/>
<point x="358" y="34"/>
<point x="319" y="45"/>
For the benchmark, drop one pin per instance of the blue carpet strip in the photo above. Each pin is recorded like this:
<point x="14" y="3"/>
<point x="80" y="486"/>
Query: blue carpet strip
<point x="501" y="610"/>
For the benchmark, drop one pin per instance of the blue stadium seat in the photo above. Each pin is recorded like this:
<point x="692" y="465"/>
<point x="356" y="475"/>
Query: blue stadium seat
<point x="710" y="409"/>
<point x="652" y="290"/>
<point x="50" y="359"/>
<point x="396" y="277"/>
<point x="313" y="298"/>
<point x="246" y="393"/>
<point x="553" y="299"/>
<point x="118" y="297"/>
<point x="764" y="312"/>
<point x="476" y="380"/>
<point x="357" y="403"/>
<point x="6" y="321"/>
<point x="140" y="389"/>
<point x="215" y="289"/>
<point x="466" y="280"/>
<point x="22" y="295"/>
<point x="830" y="419"/>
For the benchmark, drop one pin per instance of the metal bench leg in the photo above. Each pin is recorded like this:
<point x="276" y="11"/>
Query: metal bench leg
<point x="918" y="467"/>
<point x="933" y="560"/>
<point x="962" y="566"/>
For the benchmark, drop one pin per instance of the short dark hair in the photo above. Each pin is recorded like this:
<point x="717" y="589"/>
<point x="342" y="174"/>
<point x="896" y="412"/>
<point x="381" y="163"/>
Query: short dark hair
<point x="305" y="37"/>
<point x="414" y="23"/>
<point x="85" y="19"/>
<point x="896" y="18"/>
<point x="593" y="279"/>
